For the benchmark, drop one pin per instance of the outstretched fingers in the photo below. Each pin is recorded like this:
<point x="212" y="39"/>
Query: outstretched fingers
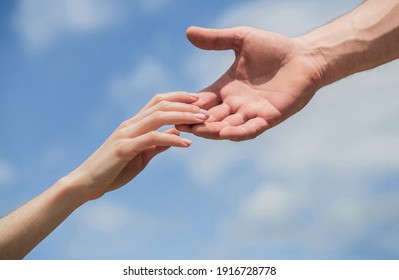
<point x="178" y="96"/>
<point x="161" y="118"/>
<point x="151" y="152"/>
<point x="165" y="109"/>
<point x="156" y="138"/>
<point x="209" y="101"/>
<point x="169" y="106"/>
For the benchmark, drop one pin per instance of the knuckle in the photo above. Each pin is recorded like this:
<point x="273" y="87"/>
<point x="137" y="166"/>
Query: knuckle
<point x="124" y="124"/>
<point x="188" y="115"/>
<point x="157" y="115"/>
<point x="193" y="108"/>
<point x="121" y="133"/>
<point x="121" y="148"/>
<point x="152" y="136"/>
<point x="158" y="97"/>
<point x="163" y="104"/>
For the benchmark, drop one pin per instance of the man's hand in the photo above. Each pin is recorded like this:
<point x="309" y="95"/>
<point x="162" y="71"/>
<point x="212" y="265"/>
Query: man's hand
<point x="272" y="78"/>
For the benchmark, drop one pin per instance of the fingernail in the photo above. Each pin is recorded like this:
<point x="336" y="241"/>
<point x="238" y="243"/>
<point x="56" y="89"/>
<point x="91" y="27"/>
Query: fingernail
<point x="201" y="116"/>
<point x="194" y="95"/>
<point x="187" y="141"/>
<point x="205" y="112"/>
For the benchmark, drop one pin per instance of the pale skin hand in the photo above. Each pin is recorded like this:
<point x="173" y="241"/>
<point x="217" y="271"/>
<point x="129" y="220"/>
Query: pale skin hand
<point x="136" y="142"/>
<point x="122" y="156"/>
<point x="274" y="76"/>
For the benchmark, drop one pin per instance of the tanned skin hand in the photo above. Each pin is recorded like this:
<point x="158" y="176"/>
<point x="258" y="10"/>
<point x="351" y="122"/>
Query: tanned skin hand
<point x="274" y="76"/>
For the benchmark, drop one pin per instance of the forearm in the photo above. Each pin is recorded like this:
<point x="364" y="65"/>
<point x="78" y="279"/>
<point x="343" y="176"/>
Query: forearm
<point x="23" y="229"/>
<point x="360" y="40"/>
<point x="121" y="157"/>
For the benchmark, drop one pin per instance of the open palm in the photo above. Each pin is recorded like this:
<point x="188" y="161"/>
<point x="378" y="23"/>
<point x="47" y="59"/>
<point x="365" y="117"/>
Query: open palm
<point x="271" y="79"/>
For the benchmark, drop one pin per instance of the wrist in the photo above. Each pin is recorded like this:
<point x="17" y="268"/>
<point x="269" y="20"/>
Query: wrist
<point x="76" y="187"/>
<point x="360" y="40"/>
<point x="334" y="51"/>
<point x="315" y="57"/>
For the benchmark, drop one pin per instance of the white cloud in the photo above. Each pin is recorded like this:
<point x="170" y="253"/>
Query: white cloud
<point x="275" y="204"/>
<point x="275" y="217"/>
<point x="41" y="22"/>
<point x="109" y="217"/>
<point x="108" y="229"/>
<point x="7" y="172"/>
<point x="135" y="88"/>
<point x="289" y="17"/>
<point x="213" y="159"/>
<point x="318" y="172"/>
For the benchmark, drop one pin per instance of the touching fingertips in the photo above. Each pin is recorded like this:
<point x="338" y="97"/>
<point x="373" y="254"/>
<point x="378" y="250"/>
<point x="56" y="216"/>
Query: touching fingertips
<point x="205" y="112"/>
<point x="194" y="95"/>
<point x="201" y="116"/>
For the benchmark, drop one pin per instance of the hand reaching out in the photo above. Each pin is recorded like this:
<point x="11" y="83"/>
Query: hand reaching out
<point x="122" y="156"/>
<point x="272" y="78"/>
<point x="135" y="142"/>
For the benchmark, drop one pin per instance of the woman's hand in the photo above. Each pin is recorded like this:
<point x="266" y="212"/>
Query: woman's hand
<point x="122" y="156"/>
<point x="135" y="142"/>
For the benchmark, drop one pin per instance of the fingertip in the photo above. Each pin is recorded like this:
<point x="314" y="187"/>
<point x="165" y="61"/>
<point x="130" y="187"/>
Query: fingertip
<point x="205" y="112"/>
<point x="187" y="142"/>
<point x="190" y="30"/>
<point x="194" y="95"/>
<point x="201" y="116"/>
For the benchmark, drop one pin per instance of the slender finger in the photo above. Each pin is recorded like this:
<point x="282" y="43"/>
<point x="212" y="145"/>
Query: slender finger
<point x="160" y="118"/>
<point x="155" y="138"/>
<point x="155" y="150"/>
<point x="177" y="96"/>
<point x="216" y="114"/>
<point x="246" y="131"/>
<point x="168" y="106"/>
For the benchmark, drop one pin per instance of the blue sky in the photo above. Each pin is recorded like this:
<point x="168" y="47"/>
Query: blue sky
<point x="323" y="185"/>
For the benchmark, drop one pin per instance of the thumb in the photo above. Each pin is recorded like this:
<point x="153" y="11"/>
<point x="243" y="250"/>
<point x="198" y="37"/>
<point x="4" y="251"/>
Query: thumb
<point x="216" y="39"/>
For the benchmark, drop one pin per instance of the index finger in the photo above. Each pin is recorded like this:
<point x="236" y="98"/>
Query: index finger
<point x="177" y="96"/>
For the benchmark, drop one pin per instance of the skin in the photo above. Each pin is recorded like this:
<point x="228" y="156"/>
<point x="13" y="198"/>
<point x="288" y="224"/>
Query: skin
<point x="274" y="76"/>
<point x="121" y="158"/>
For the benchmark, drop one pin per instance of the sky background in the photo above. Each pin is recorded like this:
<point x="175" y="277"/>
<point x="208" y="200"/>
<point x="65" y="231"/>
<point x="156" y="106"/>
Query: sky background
<point x="322" y="185"/>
